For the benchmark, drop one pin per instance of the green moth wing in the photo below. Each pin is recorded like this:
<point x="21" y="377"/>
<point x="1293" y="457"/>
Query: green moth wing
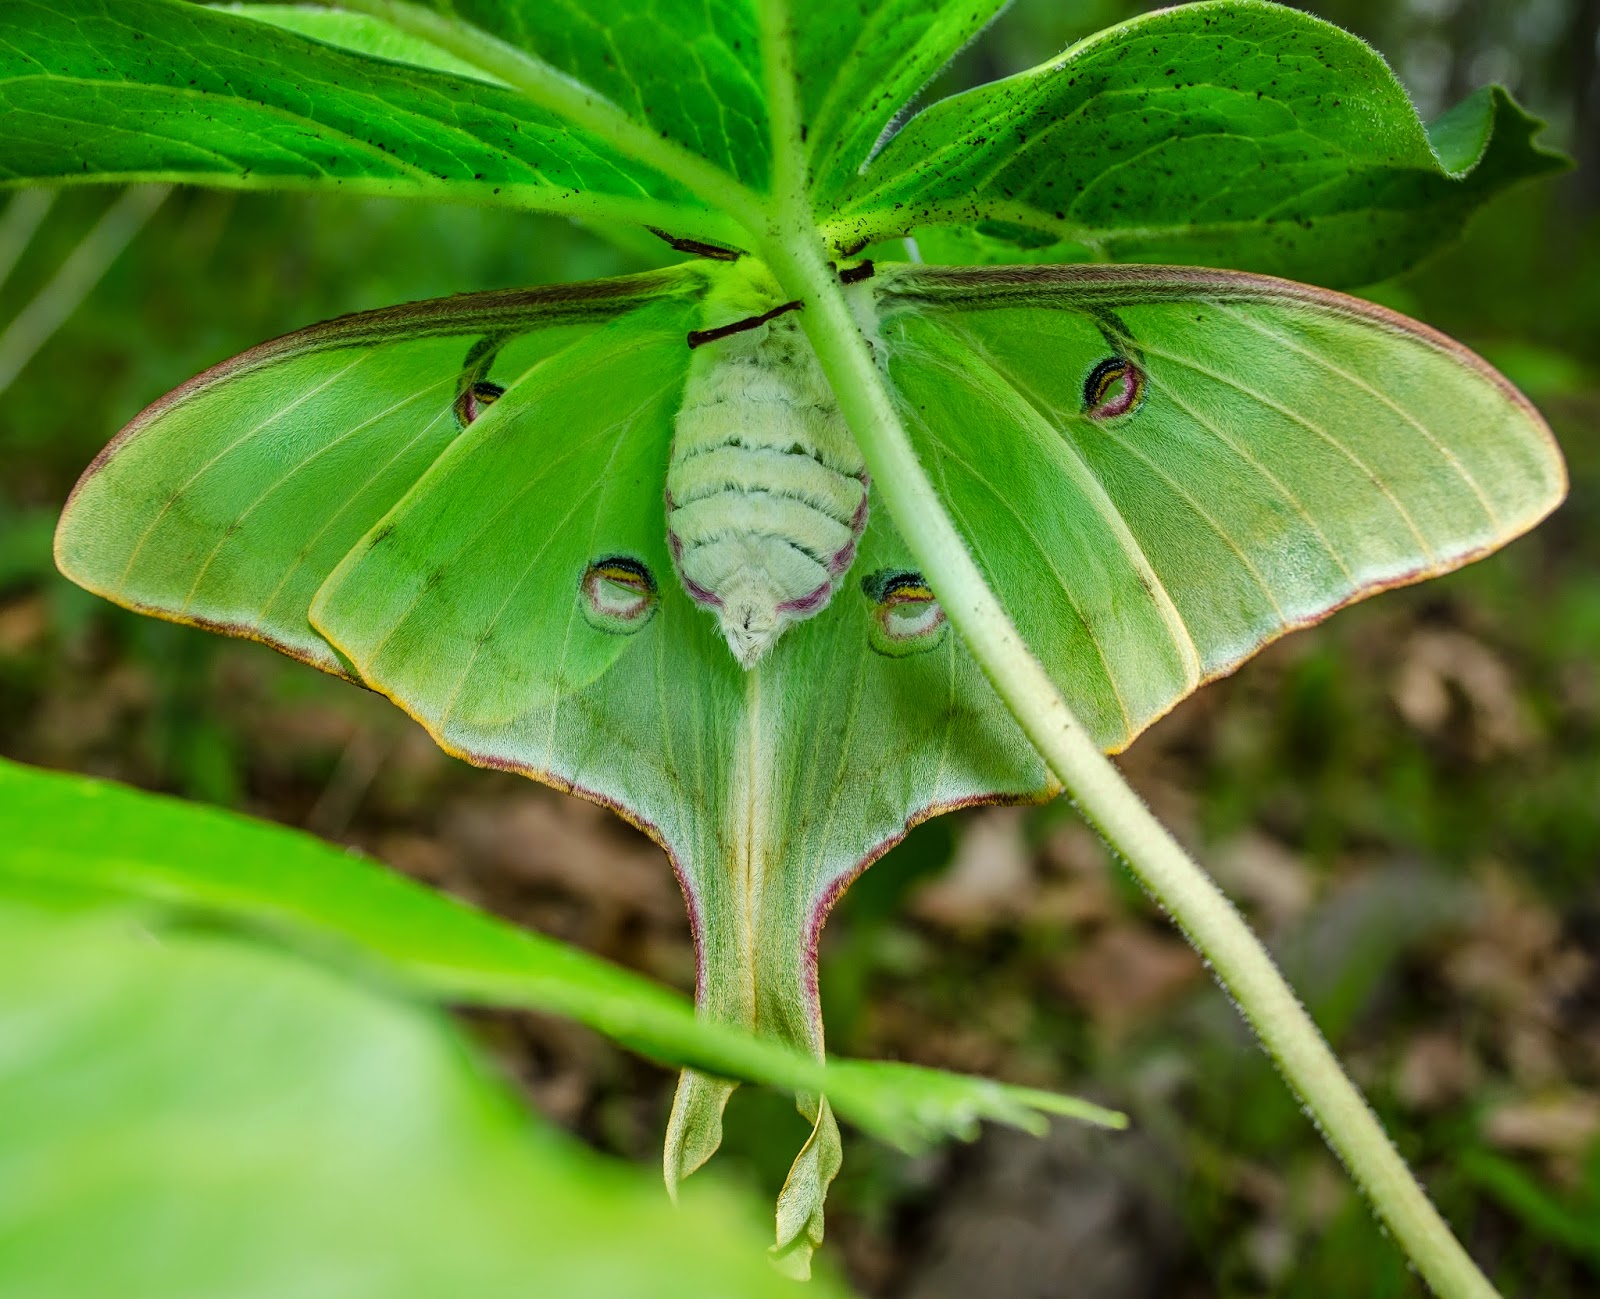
<point x="1162" y="469"/>
<point x="463" y="505"/>
<point x="228" y="502"/>
<point x="473" y="602"/>
<point x="472" y="606"/>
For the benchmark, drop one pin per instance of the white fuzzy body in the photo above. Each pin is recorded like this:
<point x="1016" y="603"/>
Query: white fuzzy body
<point x="766" y="490"/>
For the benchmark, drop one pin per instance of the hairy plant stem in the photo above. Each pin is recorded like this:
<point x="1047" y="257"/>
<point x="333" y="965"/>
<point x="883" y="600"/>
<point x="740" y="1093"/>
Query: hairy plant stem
<point x="793" y="248"/>
<point x="788" y="239"/>
<point x="1209" y="921"/>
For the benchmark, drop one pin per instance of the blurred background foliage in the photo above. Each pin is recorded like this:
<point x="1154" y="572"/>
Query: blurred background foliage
<point x="1406" y="800"/>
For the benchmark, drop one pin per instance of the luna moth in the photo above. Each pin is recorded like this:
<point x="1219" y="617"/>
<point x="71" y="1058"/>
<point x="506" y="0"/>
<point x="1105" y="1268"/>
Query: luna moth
<point x="615" y="536"/>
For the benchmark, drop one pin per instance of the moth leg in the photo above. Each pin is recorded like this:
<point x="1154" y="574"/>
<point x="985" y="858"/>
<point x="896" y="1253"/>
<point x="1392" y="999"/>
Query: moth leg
<point x="700" y="337"/>
<point x="696" y="247"/>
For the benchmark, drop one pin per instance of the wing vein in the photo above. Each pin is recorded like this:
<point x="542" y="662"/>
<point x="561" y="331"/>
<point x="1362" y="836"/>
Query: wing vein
<point x="199" y="473"/>
<point x="1059" y="445"/>
<point x="291" y="472"/>
<point x="1023" y="526"/>
<point x="1448" y="455"/>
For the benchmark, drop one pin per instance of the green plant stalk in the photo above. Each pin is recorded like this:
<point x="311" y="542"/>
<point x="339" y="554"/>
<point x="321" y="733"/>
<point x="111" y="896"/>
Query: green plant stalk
<point x="789" y="241"/>
<point x="1207" y="918"/>
<point x="792" y="246"/>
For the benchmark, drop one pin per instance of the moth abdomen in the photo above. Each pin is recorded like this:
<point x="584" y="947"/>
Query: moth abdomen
<point x="788" y="475"/>
<point x="779" y="519"/>
<point x="766" y="492"/>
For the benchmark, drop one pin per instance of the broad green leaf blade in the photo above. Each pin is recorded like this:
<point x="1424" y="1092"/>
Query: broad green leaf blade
<point x="112" y="90"/>
<point x="71" y="831"/>
<point x="695" y="73"/>
<point x="859" y="65"/>
<point x="229" y="502"/>
<point x="1229" y="133"/>
<point x="689" y="70"/>
<point x="1285" y="451"/>
<point x="198" y="1117"/>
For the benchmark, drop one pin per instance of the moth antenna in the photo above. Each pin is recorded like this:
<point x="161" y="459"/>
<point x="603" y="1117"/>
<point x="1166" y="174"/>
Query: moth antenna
<point x="700" y="337"/>
<point x="696" y="247"/>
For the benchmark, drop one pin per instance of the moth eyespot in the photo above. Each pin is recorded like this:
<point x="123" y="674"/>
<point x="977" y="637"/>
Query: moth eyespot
<point x="618" y="594"/>
<point x="475" y="399"/>
<point x="1113" y="388"/>
<point x="906" y="619"/>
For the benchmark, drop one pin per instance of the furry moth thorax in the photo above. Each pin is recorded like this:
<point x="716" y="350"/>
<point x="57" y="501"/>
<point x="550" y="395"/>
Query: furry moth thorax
<point x="766" y="490"/>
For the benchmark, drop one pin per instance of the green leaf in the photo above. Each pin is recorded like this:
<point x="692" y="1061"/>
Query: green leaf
<point x="688" y="70"/>
<point x="103" y="90"/>
<point x="1112" y="152"/>
<point x="187" y="1115"/>
<point x="1571" y="1224"/>
<point x="67" y="831"/>
<point x="696" y="73"/>
<point x="360" y="34"/>
<point x="1234" y="133"/>
<point x="859" y="65"/>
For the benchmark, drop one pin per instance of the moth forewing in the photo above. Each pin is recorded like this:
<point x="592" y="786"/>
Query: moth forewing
<point x="1164" y="468"/>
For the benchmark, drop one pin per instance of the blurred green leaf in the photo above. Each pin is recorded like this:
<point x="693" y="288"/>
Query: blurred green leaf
<point x="1573" y="1224"/>
<point x="91" y="834"/>
<point x="1244" y="135"/>
<point x="189" y="1116"/>
<point x="1544" y="373"/>
<point x="24" y="544"/>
